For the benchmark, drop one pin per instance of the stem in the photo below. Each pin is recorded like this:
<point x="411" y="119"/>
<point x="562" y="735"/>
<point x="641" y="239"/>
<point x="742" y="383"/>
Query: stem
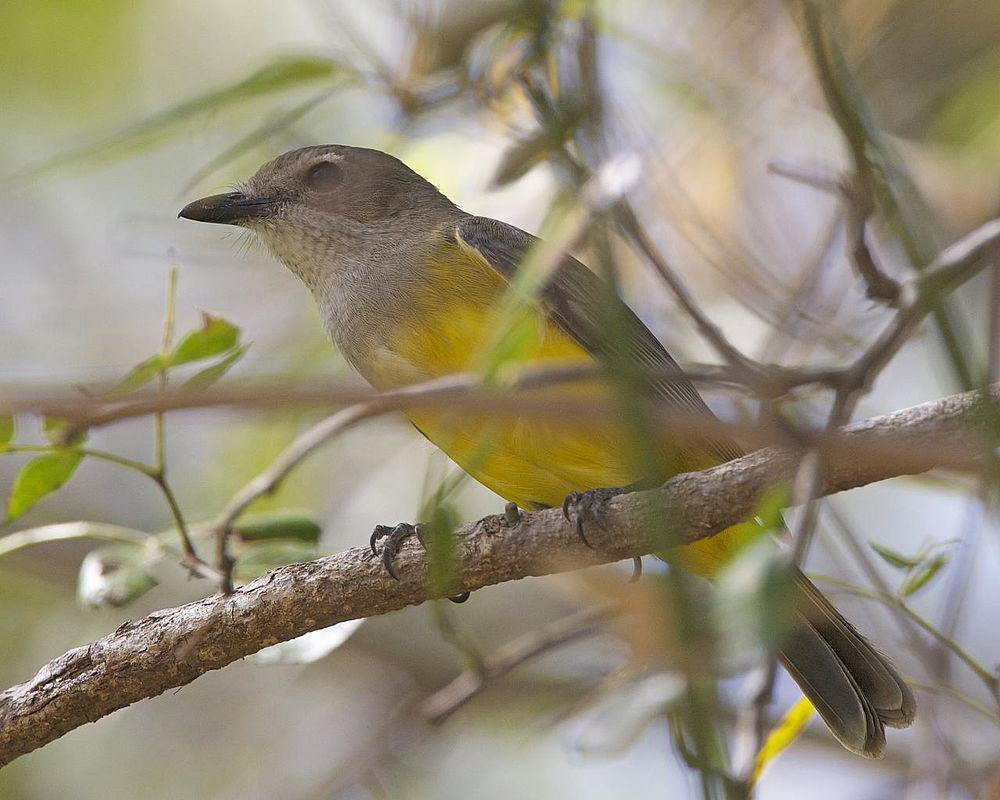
<point x="102" y="455"/>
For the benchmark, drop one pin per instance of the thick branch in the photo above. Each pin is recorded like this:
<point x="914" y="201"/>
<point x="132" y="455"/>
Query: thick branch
<point x="172" y="647"/>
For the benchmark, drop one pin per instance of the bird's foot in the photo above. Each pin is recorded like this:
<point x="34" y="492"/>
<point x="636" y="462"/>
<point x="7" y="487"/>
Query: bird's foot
<point x="581" y="508"/>
<point x="394" y="536"/>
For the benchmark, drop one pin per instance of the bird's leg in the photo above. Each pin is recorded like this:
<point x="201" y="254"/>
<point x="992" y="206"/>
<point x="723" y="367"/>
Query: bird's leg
<point x="394" y="536"/>
<point x="584" y="507"/>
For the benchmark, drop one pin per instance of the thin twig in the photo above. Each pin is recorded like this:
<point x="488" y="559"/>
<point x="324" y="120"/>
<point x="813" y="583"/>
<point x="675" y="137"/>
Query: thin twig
<point x="447" y="700"/>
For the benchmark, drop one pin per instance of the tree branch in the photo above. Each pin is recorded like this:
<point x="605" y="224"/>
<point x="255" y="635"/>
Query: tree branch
<point x="172" y="647"/>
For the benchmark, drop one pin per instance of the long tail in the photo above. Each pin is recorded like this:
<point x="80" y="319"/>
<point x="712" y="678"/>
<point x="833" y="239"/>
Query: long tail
<point x="855" y="689"/>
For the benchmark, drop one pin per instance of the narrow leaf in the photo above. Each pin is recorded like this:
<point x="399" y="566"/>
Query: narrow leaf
<point x="214" y="337"/>
<point x="39" y="477"/>
<point x="922" y="575"/>
<point x="278" y="525"/>
<point x="794" y="721"/>
<point x="204" y="378"/>
<point x="139" y="376"/>
<point x="898" y="560"/>
<point x="7" y="430"/>
<point x="278" y="75"/>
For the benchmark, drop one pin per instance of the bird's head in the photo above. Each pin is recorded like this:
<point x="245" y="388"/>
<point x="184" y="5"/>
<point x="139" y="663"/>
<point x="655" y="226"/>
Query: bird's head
<point x="314" y="206"/>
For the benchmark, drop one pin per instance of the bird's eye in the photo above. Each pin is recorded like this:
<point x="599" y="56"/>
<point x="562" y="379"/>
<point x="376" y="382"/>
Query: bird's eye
<point x="323" y="177"/>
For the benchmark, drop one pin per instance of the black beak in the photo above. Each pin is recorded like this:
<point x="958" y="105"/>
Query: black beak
<point x="228" y="209"/>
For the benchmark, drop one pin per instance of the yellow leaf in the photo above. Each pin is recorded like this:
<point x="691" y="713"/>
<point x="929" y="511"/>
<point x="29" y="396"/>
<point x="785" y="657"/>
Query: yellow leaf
<point x="783" y="734"/>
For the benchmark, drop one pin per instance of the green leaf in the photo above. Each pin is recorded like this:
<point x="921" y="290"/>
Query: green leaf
<point x="7" y="430"/>
<point x="39" y="477"/>
<point x="140" y="375"/>
<point x="278" y="75"/>
<point x="278" y="524"/>
<point x="261" y="557"/>
<point x="214" y="337"/>
<point x="204" y="378"/>
<point x="923" y="575"/>
<point x="114" y="576"/>
<point x="897" y="560"/>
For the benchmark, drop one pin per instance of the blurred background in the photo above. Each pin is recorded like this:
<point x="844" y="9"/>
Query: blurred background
<point x="118" y="112"/>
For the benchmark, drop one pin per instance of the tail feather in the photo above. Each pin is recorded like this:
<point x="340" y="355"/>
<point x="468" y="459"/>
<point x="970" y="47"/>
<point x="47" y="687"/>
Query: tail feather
<point x="855" y="689"/>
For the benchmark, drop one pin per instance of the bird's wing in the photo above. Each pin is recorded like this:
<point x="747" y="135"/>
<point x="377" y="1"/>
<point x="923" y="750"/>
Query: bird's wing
<point x="574" y="299"/>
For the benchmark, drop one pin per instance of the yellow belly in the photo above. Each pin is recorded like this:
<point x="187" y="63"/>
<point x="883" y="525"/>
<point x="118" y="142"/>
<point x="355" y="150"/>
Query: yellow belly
<point x="534" y="462"/>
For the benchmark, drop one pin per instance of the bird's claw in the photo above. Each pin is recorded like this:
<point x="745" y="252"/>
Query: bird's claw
<point x="582" y="507"/>
<point x="394" y="536"/>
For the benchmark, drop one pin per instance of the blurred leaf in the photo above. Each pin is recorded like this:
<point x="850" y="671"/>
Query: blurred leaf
<point x="523" y="155"/>
<point x="7" y="430"/>
<point x="770" y="505"/>
<point x="40" y="477"/>
<point x="214" y="337"/>
<point x="922" y="575"/>
<point x="254" y="138"/>
<point x="114" y="576"/>
<point x="616" y="717"/>
<point x="521" y="336"/>
<point x="792" y="723"/>
<point x="73" y="530"/>
<point x="282" y="73"/>
<point x="439" y="537"/>
<point x="261" y="557"/>
<point x="753" y="598"/>
<point x="204" y="378"/>
<point x="140" y="375"/>
<point x="309" y="647"/>
<point x="55" y="429"/>
<point x="279" y="524"/>
<point x="897" y="560"/>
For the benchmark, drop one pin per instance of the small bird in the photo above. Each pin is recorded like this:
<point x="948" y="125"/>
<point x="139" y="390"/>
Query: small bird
<point x="410" y="288"/>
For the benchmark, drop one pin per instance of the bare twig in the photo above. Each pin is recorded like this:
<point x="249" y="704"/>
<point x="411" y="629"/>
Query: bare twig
<point x="446" y="701"/>
<point x="173" y="647"/>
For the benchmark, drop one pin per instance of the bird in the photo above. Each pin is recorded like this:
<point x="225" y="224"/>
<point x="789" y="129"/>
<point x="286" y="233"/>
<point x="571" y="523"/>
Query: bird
<point x="410" y="288"/>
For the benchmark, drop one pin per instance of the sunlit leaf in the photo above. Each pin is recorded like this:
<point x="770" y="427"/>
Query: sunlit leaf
<point x="139" y="375"/>
<point x="7" y="430"/>
<point x="281" y="74"/>
<point x="39" y="477"/>
<point x="791" y="726"/>
<point x="261" y="557"/>
<point x="279" y="524"/>
<point x="922" y="575"/>
<point x="114" y="576"/>
<point x="214" y="337"/>
<point x="309" y="647"/>
<point x="204" y="378"/>
<point x="897" y="560"/>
